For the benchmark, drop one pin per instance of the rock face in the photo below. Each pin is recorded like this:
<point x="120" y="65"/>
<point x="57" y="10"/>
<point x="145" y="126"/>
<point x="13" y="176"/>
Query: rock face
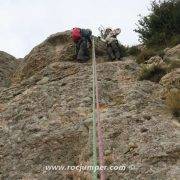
<point x="156" y="61"/>
<point x="154" y="69"/>
<point x="172" y="79"/>
<point x="46" y="119"/>
<point x="8" y="65"/>
<point x="173" y="53"/>
<point x="171" y="82"/>
<point x="172" y="57"/>
<point x="57" y="47"/>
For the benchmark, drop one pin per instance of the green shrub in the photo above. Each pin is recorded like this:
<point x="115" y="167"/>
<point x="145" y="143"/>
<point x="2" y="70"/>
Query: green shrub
<point x="145" y="55"/>
<point x="161" y="53"/>
<point x="175" y="40"/>
<point x="162" y="26"/>
<point x="153" y="73"/>
<point x="123" y="50"/>
<point x="134" y="51"/>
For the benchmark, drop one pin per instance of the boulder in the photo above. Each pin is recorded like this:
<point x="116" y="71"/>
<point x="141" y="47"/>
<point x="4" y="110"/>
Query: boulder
<point x="171" y="82"/>
<point x="172" y="57"/>
<point x="8" y="64"/>
<point x="57" y="47"/>
<point x="156" y="61"/>
<point x="154" y="69"/>
<point x="172" y="53"/>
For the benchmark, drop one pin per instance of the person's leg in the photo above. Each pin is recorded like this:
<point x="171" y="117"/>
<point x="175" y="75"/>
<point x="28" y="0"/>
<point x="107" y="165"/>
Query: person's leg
<point x="110" y="52"/>
<point x="80" y="52"/>
<point x="86" y="50"/>
<point x="83" y="51"/>
<point x="77" y="48"/>
<point x="116" y="49"/>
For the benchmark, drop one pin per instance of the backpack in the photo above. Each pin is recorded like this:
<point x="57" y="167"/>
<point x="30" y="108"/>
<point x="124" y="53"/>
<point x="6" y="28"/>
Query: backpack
<point x="76" y="34"/>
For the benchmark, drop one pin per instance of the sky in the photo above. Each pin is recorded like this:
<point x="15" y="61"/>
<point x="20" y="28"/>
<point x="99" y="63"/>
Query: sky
<point x="26" y="23"/>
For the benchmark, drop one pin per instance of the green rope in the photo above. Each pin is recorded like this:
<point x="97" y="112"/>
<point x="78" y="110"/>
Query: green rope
<point x="94" y="117"/>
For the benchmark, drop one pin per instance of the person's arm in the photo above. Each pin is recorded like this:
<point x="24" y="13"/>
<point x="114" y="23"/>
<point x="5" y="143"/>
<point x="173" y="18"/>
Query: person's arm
<point x="117" y="31"/>
<point x="102" y="39"/>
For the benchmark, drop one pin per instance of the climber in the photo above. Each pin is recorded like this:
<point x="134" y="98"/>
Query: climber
<point x="109" y="36"/>
<point x="82" y="40"/>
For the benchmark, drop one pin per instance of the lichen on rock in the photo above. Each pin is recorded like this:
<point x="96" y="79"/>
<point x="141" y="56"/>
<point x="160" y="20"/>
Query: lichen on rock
<point x="46" y="118"/>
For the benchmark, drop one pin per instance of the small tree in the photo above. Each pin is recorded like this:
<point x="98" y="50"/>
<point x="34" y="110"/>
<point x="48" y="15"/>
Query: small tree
<point x="162" y="26"/>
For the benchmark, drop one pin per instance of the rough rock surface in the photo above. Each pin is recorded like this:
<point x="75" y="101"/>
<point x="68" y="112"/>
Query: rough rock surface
<point x="57" y="47"/>
<point x="46" y="119"/>
<point x="172" y="57"/>
<point x="171" y="83"/>
<point x="173" y="53"/>
<point x="8" y="64"/>
<point x="156" y="61"/>
<point x="172" y="79"/>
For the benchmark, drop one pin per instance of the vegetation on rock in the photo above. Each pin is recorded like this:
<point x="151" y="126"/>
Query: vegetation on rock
<point x="161" y="28"/>
<point x="152" y="73"/>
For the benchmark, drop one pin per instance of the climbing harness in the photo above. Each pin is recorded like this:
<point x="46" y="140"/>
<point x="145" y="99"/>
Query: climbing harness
<point x="97" y="122"/>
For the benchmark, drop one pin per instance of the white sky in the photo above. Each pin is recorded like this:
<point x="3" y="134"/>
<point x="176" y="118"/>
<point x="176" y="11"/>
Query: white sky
<point x="26" y="23"/>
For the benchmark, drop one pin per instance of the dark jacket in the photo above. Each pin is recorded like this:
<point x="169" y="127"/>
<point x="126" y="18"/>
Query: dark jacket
<point x="86" y="34"/>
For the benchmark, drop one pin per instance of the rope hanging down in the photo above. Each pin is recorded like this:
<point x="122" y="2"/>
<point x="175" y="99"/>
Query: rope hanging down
<point x="96" y="116"/>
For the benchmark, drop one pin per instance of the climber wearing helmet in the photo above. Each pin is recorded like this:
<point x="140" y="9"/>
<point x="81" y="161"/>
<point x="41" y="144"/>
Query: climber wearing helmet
<point x="82" y="40"/>
<point x="110" y="37"/>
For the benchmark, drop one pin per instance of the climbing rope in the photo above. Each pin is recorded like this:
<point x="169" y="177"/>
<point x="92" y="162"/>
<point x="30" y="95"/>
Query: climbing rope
<point x="96" y="116"/>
